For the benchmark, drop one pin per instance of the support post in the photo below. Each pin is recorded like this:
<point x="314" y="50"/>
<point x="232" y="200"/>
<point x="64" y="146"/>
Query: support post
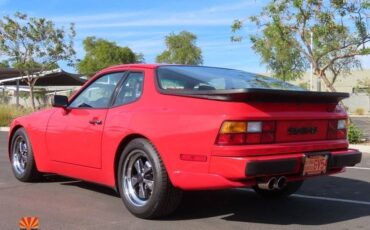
<point x="17" y="94"/>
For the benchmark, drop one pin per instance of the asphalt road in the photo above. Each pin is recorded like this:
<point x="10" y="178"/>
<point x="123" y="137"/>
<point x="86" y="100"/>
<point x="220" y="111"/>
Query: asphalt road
<point x="336" y="202"/>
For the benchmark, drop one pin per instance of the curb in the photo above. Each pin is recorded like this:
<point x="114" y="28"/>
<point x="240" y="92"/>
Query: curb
<point x="361" y="148"/>
<point x="4" y="129"/>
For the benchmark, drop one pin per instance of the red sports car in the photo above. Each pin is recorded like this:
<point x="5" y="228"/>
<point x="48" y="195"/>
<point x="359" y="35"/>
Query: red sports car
<point x="152" y="131"/>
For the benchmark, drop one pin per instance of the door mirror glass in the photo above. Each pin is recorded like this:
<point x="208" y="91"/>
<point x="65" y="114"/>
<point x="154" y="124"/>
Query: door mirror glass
<point x="60" y="101"/>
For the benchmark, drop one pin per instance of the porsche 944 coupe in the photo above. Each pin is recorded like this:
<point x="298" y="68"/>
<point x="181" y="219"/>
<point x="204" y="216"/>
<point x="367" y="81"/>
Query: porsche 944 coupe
<point x="152" y="131"/>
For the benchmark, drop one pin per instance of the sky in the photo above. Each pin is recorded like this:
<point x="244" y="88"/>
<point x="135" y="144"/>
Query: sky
<point x="142" y="25"/>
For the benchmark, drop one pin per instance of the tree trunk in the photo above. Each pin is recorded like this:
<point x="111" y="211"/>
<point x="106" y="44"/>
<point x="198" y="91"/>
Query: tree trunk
<point x="30" y="84"/>
<point x="327" y="82"/>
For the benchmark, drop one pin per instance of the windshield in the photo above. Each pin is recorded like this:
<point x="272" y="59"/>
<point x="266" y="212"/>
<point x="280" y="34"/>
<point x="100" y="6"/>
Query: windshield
<point x="210" y="78"/>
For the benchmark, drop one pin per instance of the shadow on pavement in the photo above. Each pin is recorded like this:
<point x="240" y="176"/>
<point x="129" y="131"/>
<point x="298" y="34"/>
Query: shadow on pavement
<point x="246" y="206"/>
<point x="92" y="187"/>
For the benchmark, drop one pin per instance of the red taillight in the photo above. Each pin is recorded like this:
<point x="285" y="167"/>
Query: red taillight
<point x="241" y="133"/>
<point x="337" y="129"/>
<point x="231" y="138"/>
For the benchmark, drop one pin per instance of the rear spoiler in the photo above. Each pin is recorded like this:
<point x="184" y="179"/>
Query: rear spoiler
<point x="261" y="95"/>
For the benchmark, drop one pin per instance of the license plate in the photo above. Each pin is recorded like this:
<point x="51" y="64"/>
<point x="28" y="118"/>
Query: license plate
<point x="315" y="165"/>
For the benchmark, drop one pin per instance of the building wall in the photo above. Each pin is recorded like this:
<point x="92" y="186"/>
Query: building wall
<point x="349" y="83"/>
<point x="342" y="84"/>
<point x="358" y="102"/>
<point x="11" y="97"/>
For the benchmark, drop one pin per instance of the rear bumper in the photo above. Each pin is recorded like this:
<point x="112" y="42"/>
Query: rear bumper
<point x="336" y="160"/>
<point x="229" y="172"/>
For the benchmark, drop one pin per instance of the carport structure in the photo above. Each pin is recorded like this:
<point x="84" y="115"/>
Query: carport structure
<point x="53" y="81"/>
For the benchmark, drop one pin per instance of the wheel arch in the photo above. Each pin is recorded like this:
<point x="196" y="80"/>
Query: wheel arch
<point x="11" y="134"/>
<point x="119" y="150"/>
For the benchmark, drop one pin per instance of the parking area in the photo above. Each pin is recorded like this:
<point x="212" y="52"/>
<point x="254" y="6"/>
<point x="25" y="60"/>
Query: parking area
<point x="336" y="202"/>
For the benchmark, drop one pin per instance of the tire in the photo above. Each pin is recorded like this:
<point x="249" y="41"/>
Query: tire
<point x="143" y="182"/>
<point x="22" y="158"/>
<point x="288" y="190"/>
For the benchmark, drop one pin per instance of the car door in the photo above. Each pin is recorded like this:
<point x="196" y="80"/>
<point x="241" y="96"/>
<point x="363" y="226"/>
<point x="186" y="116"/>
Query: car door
<point x="74" y="134"/>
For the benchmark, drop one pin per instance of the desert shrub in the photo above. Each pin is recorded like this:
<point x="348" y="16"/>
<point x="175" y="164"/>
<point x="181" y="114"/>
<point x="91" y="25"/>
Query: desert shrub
<point x="8" y="113"/>
<point x="360" y="111"/>
<point x="354" y="134"/>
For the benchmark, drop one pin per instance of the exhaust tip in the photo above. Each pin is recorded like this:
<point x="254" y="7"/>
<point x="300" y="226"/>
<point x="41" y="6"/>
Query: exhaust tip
<point x="268" y="185"/>
<point x="281" y="183"/>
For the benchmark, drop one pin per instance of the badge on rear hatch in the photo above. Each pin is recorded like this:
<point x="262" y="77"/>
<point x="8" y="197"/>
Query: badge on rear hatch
<point x="302" y="130"/>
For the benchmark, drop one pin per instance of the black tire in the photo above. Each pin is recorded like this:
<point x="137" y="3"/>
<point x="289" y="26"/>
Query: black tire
<point x="26" y="172"/>
<point x="159" y="201"/>
<point x="288" y="190"/>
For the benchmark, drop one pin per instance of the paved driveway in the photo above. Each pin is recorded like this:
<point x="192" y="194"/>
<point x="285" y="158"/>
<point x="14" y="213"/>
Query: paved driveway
<point x="335" y="202"/>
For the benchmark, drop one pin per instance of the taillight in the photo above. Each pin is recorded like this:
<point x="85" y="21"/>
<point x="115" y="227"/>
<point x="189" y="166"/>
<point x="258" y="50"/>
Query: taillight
<point x="242" y="132"/>
<point x="337" y="129"/>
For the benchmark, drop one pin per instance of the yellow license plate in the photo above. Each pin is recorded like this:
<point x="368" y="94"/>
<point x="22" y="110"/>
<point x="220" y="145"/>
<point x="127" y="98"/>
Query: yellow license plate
<point x="315" y="165"/>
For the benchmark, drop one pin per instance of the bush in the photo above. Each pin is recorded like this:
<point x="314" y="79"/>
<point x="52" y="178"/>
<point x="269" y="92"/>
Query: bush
<point x="360" y="111"/>
<point x="354" y="134"/>
<point x="8" y="113"/>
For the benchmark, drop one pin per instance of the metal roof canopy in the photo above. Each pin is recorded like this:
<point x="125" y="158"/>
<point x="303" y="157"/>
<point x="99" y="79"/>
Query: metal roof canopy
<point x="56" y="77"/>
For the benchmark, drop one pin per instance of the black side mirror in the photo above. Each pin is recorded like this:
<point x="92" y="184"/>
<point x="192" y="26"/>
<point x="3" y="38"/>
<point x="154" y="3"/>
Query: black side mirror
<point x="60" y="101"/>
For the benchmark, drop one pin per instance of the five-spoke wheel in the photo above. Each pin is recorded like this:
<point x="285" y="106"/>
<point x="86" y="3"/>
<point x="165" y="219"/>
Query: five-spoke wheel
<point x="138" y="178"/>
<point x="23" y="163"/>
<point x="20" y="154"/>
<point x="143" y="181"/>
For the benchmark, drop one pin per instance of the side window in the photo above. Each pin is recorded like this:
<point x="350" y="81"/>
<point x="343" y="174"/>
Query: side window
<point x="131" y="89"/>
<point x="98" y="93"/>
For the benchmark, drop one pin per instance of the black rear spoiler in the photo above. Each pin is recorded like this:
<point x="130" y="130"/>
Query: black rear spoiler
<point x="261" y="95"/>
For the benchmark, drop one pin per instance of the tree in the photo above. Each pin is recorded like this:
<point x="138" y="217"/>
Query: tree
<point x="338" y="30"/>
<point x="34" y="45"/>
<point x="344" y="67"/>
<point x="181" y="49"/>
<point x="4" y="64"/>
<point x="101" y="53"/>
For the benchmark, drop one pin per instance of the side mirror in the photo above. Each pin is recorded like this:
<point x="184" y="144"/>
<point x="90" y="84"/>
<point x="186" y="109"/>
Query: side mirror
<point x="60" y="101"/>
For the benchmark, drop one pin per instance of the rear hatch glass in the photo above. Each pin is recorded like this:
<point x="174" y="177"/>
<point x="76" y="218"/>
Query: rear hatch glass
<point x="235" y="85"/>
<point x="211" y="78"/>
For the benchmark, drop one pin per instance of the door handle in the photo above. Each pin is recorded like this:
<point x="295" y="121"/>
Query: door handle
<point x="96" y="122"/>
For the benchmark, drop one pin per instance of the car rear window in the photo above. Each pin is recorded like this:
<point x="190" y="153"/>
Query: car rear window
<point x="210" y="78"/>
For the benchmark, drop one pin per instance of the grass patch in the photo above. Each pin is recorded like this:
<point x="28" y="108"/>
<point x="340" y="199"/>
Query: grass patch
<point x="8" y="113"/>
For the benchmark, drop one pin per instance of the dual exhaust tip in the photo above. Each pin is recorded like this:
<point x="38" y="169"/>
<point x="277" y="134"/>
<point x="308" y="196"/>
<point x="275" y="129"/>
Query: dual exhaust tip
<point x="273" y="183"/>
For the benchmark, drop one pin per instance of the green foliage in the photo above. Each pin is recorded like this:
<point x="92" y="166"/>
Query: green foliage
<point x="286" y="63"/>
<point x="304" y="85"/>
<point x="8" y="113"/>
<point x="338" y="30"/>
<point x="4" y="64"/>
<point x="34" y="43"/>
<point x="181" y="49"/>
<point x="354" y="134"/>
<point x="101" y="53"/>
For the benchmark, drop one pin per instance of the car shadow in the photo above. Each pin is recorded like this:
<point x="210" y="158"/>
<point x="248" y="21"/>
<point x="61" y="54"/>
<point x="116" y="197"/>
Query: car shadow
<point x="243" y="205"/>
<point x="92" y="187"/>
<point x="52" y="178"/>
<point x="246" y="206"/>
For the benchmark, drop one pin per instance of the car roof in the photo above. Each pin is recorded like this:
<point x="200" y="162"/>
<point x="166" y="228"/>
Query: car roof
<point x="138" y="65"/>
